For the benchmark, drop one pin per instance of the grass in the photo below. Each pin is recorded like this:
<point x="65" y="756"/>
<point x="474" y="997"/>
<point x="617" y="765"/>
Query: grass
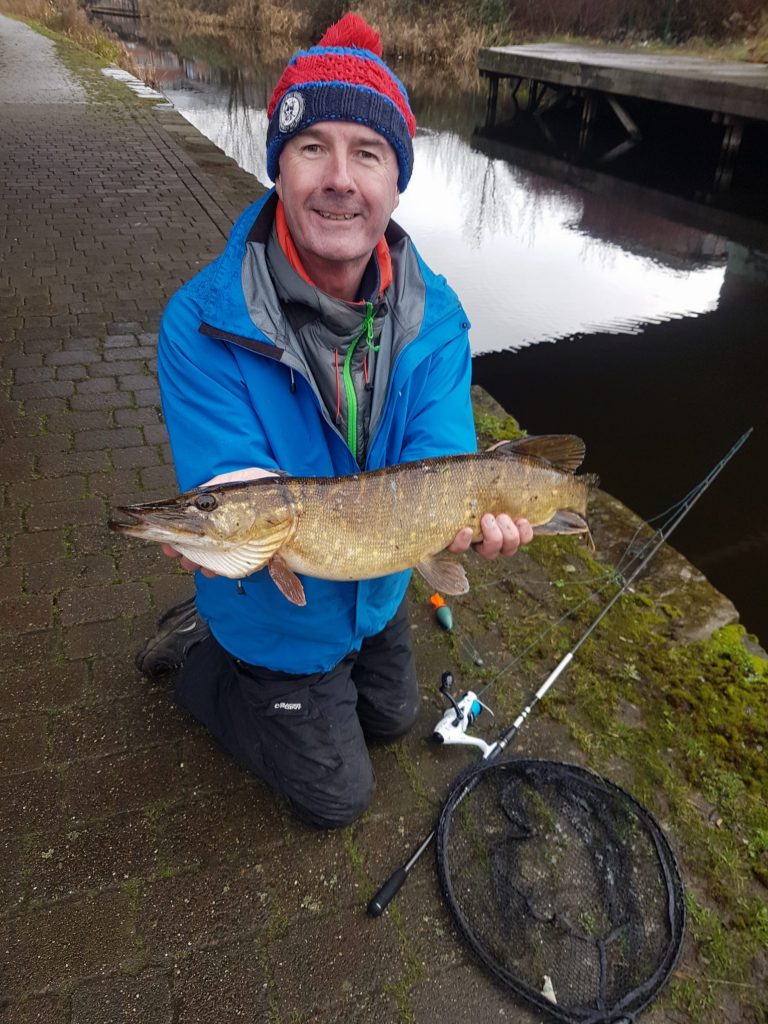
<point x="450" y="34"/>
<point x="428" y="39"/>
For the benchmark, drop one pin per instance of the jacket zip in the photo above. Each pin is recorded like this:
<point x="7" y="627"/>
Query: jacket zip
<point x="272" y="351"/>
<point x="349" y="386"/>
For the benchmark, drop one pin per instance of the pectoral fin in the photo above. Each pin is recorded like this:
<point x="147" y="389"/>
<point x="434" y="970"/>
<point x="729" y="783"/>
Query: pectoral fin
<point x="445" y="574"/>
<point x="563" y="522"/>
<point x="286" y="580"/>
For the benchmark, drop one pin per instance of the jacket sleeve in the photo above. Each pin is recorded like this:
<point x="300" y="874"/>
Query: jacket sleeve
<point x="211" y="422"/>
<point x="441" y="421"/>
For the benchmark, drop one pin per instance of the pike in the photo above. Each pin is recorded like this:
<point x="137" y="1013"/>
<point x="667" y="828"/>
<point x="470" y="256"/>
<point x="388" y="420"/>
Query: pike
<point x="373" y="523"/>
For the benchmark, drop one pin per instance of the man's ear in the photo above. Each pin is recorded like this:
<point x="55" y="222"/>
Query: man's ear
<point x="279" y="187"/>
<point x="397" y="199"/>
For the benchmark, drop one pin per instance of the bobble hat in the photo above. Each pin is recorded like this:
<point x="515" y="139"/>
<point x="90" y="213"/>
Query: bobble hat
<point x="343" y="78"/>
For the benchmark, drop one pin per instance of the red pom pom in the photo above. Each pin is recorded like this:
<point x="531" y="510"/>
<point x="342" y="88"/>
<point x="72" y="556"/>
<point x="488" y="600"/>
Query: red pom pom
<point x="352" y="30"/>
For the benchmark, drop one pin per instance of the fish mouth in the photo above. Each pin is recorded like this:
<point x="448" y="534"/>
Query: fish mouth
<point x="164" y="520"/>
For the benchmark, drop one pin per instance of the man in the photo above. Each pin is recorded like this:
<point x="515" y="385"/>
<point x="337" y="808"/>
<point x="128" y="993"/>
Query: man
<point x="317" y="344"/>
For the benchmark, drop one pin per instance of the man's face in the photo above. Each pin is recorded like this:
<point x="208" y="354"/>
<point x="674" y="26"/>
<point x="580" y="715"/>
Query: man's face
<point x="338" y="182"/>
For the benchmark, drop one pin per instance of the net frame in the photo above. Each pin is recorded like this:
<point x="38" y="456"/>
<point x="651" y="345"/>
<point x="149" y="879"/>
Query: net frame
<point x="672" y="897"/>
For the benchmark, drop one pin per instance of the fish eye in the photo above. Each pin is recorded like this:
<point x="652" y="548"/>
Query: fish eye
<point x="206" y="503"/>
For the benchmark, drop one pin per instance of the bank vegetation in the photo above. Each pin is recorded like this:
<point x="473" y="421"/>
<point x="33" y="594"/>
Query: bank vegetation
<point x="452" y="32"/>
<point x="68" y="18"/>
<point x="420" y="32"/>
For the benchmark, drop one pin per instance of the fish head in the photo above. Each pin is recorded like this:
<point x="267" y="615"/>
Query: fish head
<point x="223" y="514"/>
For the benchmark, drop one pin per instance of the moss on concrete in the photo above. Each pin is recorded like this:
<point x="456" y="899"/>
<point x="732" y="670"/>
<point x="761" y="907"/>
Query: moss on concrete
<point x="667" y="698"/>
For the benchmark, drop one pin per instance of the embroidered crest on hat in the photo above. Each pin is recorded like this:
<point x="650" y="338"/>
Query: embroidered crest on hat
<point x="291" y="111"/>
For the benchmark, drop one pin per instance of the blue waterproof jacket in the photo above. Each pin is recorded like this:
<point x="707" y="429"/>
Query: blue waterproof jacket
<point x="231" y="400"/>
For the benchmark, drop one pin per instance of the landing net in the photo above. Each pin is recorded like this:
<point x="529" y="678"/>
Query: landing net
<point x="564" y="886"/>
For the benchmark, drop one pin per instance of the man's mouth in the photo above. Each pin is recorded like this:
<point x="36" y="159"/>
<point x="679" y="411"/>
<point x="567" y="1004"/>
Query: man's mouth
<point x="326" y="215"/>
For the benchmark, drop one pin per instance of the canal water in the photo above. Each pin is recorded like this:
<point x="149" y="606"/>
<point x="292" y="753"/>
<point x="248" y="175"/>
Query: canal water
<point x="634" y="317"/>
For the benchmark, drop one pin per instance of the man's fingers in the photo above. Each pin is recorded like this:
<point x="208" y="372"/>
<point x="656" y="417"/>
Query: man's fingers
<point x="525" y="530"/>
<point x="493" y="536"/>
<point x="502" y="536"/>
<point x="461" y="541"/>
<point x="184" y="562"/>
<point x="510" y="535"/>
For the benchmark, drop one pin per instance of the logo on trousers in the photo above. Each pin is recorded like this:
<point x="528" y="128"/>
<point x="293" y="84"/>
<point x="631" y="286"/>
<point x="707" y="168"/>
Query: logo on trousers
<point x="285" y="705"/>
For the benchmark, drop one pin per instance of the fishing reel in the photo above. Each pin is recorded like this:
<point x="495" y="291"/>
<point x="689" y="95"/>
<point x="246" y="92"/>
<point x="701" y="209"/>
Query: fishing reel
<point x="452" y="727"/>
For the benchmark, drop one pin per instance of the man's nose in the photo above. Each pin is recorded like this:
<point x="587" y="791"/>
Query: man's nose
<point x="338" y="173"/>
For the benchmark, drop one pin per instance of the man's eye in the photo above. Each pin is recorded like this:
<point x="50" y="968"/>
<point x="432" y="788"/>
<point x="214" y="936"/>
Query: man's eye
<point x="367" y="155"/>
<point x="311" y="147"/>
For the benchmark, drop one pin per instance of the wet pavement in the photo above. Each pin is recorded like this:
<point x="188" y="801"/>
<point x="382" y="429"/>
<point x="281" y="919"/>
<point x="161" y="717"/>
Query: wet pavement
<point x="143" y="875"/>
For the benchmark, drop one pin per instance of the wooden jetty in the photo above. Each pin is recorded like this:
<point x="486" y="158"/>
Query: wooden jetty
<point x="114" y="8"/>
<point x="734" y="93"/>
<point x="734" y="89"/>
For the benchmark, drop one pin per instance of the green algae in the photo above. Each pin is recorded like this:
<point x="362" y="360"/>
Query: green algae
<point x="681" y="723"/>
<point x="490" y="428"/>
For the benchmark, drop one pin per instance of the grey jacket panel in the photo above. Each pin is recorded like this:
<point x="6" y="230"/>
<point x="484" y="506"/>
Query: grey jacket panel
<point x="311" y="326"/>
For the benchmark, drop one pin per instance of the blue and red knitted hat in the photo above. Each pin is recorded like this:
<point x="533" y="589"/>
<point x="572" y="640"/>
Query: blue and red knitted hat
<point x="343" y="78"/>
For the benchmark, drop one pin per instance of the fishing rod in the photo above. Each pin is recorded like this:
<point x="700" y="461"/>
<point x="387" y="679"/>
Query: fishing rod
<point x="452" y="727"/>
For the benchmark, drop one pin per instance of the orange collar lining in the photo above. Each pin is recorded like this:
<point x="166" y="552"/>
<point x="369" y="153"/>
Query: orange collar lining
<point x="292" y="255"/>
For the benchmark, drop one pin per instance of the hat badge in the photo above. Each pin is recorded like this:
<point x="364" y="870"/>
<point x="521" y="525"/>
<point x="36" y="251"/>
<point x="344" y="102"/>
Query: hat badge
<point x="291" y="111"/>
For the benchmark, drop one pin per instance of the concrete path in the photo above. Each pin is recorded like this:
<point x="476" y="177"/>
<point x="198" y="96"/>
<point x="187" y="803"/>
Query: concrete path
<point x="143" y="876"/>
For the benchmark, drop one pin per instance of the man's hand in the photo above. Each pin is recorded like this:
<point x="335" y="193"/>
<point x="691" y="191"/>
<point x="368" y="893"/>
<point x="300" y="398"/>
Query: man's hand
<point x="252" y="473"/>
<point x="501" y="536"/>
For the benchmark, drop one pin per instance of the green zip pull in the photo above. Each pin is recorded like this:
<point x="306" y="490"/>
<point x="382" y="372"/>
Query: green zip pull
<point x="349" y="387"/>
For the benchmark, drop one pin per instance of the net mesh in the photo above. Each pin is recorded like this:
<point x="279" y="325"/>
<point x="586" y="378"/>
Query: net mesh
<point x="561" y="882"/>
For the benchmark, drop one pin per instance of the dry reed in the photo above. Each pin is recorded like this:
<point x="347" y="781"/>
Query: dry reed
<point x="450" y="33"/>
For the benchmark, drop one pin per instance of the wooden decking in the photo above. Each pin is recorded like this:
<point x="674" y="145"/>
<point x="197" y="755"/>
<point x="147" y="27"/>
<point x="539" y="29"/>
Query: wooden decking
<point x="737" y="90"/>
<point x="585" y="77"/>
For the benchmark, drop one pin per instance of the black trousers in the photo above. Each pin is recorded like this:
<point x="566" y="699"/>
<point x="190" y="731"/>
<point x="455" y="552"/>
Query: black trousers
<point x="306" y="735"/>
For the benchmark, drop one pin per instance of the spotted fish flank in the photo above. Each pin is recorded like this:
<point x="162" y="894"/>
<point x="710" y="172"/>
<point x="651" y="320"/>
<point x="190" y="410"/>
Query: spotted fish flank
<point x="320" y="526"/>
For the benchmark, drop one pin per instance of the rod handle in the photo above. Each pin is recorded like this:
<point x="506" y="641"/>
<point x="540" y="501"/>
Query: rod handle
<point x="387" y="892"/>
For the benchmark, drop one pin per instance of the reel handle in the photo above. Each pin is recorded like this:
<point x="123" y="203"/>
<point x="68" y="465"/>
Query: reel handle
<point x="446" y="682"/>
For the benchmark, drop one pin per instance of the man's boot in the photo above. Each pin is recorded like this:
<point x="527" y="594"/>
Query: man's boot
<point x="177" y="631"/>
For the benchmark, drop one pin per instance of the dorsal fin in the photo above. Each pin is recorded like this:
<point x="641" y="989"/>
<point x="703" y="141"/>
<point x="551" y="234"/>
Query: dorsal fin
<point x="565" y="451"/>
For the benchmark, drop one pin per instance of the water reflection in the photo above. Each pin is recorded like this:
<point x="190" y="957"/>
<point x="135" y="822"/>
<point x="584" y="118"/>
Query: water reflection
<point x="506" y="238"/>
<point x="502" y="235"/>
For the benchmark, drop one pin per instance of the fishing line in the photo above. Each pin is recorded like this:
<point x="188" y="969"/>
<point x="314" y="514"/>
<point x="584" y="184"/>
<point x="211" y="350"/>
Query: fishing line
<point x="396" y="880"/>
<point x="627" y="568"/>
<point x="600" y="583"/>
<point x="613" y="574"/>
